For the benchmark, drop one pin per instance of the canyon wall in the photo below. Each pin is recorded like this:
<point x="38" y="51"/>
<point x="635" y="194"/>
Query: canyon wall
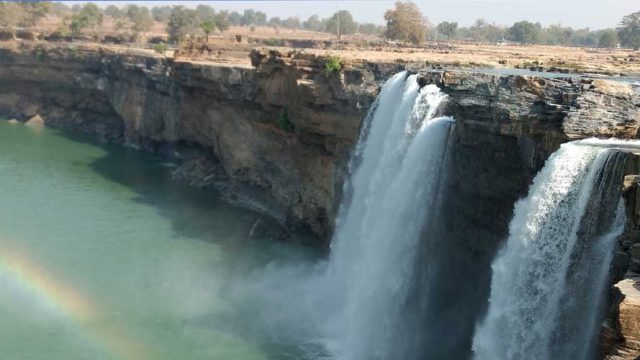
<point x="284" y="127"/>
<point x="506" y="128"/>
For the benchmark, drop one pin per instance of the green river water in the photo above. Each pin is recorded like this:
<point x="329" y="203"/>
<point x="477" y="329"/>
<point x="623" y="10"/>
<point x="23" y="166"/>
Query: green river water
<point x="103" y="256"/>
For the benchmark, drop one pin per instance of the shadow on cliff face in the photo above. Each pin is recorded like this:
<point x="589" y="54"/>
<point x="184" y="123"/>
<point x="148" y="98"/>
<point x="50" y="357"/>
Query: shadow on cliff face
<point x="196" y="213"/>
<point x="266" y="265"/>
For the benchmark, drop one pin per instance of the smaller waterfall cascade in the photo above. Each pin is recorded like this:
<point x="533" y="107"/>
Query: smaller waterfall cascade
<point x="395" y="175"/>
<point x="549" y="281"/>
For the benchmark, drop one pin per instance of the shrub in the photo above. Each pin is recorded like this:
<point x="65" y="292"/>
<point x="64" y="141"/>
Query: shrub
<point x="72" y="52"/>
<point x="160" y="48"/>
<point x="283" y="121"/>
<point x="41" y="53"/>
<point x="332" y="66"/>
<point x="273" y="42"/>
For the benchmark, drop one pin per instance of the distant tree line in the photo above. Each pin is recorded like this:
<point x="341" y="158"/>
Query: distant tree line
<point x="525" y="32"/>
<point x="404" y="22"/>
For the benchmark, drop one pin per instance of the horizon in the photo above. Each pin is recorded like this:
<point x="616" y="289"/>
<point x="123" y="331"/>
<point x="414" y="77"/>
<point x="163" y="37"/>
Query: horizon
<point x="579" y="14"/>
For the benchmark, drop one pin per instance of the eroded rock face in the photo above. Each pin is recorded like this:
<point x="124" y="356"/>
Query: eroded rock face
<point x="506" y="128"/>
<point x="283" y="126"/>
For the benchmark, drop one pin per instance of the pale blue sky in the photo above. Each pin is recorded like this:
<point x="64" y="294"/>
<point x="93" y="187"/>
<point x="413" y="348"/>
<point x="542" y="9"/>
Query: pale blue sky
<point x="577" y="13"/>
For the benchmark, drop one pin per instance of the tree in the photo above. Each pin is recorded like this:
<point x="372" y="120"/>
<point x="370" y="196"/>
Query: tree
<point x="113" y="12"/>
<point x="585" y="37"/>
<point x="161" y="13"/>
<point x="10" y="15"/>
<point x="89" y="16"/>
<point x="525" y="32"/>
<point x="260" y="19"/>
<point x="140" y="18"/>
<point x="292" y="23"/>
<point x="275" y="22"/>
<point x="208" y="26"/>
<point x="248" y="17"/>
<point x="370" y="29"/>
<point x="341" y="23"/>
<point x="235" y="18"/>
<point x="222" y="20"/>
<point x="34" y="11"/>
<point x="558" y="34"/>
<point x="448" y="29"/>
<point x="406" y="23"/>
<point x="59" y="9"/>
<point x="313" y="23"/>
<point x="182" y="22"/>
<point x="608" y="39"/>
<point x="629" y="31"/>
<point x="205" y="12"/>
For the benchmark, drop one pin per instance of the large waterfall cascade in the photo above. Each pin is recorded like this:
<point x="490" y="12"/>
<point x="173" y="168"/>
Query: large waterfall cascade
<point x="395" y="175"/>
<point x="549" y="281"/>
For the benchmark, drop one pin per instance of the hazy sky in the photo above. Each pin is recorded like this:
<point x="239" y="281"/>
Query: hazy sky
<point x="577" y="13"/>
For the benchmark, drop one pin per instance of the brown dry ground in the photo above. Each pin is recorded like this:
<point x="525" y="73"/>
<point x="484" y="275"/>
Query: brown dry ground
<point x="455" y="54"/>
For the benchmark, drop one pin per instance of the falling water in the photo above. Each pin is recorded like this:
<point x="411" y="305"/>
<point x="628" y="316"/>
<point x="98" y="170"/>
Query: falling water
<point x="550" y="279"/>
<point x="395" y="175"/>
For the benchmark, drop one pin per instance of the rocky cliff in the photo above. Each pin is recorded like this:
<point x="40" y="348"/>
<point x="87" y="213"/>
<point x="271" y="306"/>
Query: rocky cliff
<point x="284" y="127"/>
<point x="506" y="128"/>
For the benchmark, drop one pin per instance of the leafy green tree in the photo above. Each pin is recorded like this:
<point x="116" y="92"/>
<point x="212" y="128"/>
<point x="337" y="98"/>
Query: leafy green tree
<point x="89" y="16"/>
<point x="113" y="12"/>
<point x="208" y="26"/>
<point x="275" y="22"/>
<point x="584" y="37"/>
<point x="313" y="23"/>
<point x="248" y="17"/>
<point x="525" y="32"/>
<point x="260" y="19"/>
<point x="448" y="29"/>
<point x="205" y="12"/>
<point x="406" y="23"/>
<point x="629" y="31"/>
<point x="558" y="34"/>
<point x="34" y="11"/>
<point x="59" y="9"/>
<point x="222" y="20"/>
<point x="341" y="23"/>
<point x="140" y="18"/>
<point x="370" y="29"/>
<point x="11" y="15"/>
<point x="182" y="22"/>
<point x="292" y="23"/>
<point x="161" y="13"/>
<point x="608" y="39"/>
<point x="235" y="18"/>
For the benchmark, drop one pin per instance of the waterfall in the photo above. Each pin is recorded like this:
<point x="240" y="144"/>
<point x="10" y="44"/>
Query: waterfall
<point x="395" y="174"/>
<point x="549" y="281"/>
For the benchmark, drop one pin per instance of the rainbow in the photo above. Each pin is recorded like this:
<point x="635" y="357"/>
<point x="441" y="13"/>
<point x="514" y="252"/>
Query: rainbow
<point x="84" y="312"/>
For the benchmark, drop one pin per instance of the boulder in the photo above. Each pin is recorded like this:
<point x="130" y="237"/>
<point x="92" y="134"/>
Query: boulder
<point x="36" y="121"/>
